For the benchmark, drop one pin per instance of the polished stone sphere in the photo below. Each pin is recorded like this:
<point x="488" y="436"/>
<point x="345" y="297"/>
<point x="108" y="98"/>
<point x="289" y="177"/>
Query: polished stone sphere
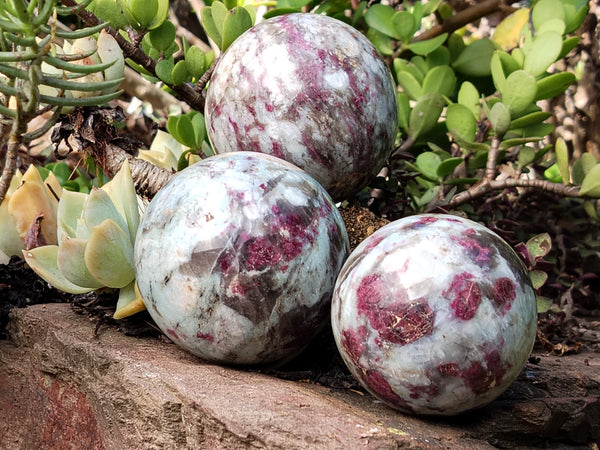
<point x="236" y="258"/>
<point x="309" y="89"/>
<point x="434" y="314"/>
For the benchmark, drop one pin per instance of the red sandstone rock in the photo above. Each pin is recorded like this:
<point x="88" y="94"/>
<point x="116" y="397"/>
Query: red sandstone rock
<point x="60" y="387"/>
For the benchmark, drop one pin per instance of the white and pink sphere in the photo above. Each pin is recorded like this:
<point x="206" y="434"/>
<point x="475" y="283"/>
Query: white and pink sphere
<point x="309" y="89"/>
<point x="236" y="258"/>
<point x="434" y="314"/>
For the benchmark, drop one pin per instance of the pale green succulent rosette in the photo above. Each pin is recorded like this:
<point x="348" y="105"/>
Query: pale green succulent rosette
<point x="95" y="235"/>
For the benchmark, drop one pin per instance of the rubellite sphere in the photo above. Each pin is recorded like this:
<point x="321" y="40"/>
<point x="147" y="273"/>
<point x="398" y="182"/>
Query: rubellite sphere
<point x="309" y="89"/>
<point x="236" y="258"/>
<point x="434" y="314"/>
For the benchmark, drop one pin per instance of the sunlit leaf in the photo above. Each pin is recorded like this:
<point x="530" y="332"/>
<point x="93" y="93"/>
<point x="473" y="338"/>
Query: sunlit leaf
<point x="425" y="114"/>
<point x="541" y="52"/>
<point x="590" y="187"/>
<point x="409" y="85"/>
<point x="440" y="79"/>
<point x="468" y="96"/>
<point x="43" y="261"/>
<point x="428" y="163"/>
<point x="379" y="17"/>
<point x="508" y="30"/>
<point x="582" y="166"/>
<point x="427" y="46"/>
<point x="475" y="58"/>
<point x="461" y="122"/>
<point x="518" y="91"/>
<point x="130" y="302"/>
<point x="109" y="255"/>
<point x="70" y="260"/>
<point x="562" y="159"/>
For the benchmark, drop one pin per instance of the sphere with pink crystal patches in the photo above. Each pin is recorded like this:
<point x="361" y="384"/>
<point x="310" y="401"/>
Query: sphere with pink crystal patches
<point x="434" y="314"/>
<point x="309" y="89"/>
<point x="236" y="258"/>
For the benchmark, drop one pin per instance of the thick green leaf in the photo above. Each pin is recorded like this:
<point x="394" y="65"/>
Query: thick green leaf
<point x="440" y="79"/>
<point x="121" y="191"/>
<point x="172" y="123"/>
<point x="509" y="143"/>
<point x="552" y="173"/>
<point x="43" y="261"/>
<point x="403" y="103"/>
<point x="568" y="45"/>
<point x="461" y="122"/>
<point x="438" y="57"/>
<point x="98" y="208"/>
<point x="575" y="13"/>
<point x="541" y="52"/>
<point x="69" y="210"/>
<point x="162" y="37"/>
<point x="468" y="96"/>
<point x="409" y="85"/>
<point x="562" y="159"/>
<point x="109" y="255"/>
<point x="500" y="119"/>
<point x="591" y="183"/>
<point x="180" y="73"/>
<point x="431" y="6"/>
<point x="297" y="4"/>
<point x="185" y="131"/>
<point x="427" y="46"/>
<point x="70" y="260"/>
<point x="475" y="59"/>
<point x="403" y="23"/>
<point x="554" y="85"/>
<point x="144" y="11"/>
<point x="235" y="24"/>
<point x="538" y="278"/>
<point x="582" y="166"/>
<point x="130" y="302"/>
<point x="530" y="119"/>
<point x="556" y="25"/>
<point x="425" y="114"/>
<point x="518" y="91"/>
<point x="164" y="70"/>
<point x="210" y="27"/>
<point x="382" y="42"/>
<point x="447" y="166"/>
<point x="545" y="10"/>
<point x="199" y="126"/>
<point x="543" y="303"/>
<point x="219" y="12"/>
<point x="379" y="17"/>
<point x="539" y="246"/>
<point x="196" y="62"/>
<point x="428" y="163"/>
<point x="526" y="157"/>
<point x="507" y="32"/>
<point x="402" y="65"/>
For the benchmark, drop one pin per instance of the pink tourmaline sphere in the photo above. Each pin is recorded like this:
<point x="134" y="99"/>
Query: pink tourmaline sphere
<point x="309" y="89"/>
<point x="236" y="258"/>
<point x="434" y="314"/>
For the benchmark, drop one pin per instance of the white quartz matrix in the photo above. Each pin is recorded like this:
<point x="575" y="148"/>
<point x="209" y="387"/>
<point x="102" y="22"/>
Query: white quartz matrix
<point x="311" y="90"/>
<point x="236" y="258"/>
<point x="434" y="314"/>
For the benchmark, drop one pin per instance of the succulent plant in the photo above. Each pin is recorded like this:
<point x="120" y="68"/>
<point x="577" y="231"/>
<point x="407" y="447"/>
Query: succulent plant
<point x="309" y="89"/>
<point x="95" y="235"/>
<point x="434" y="314"/>
<point x="28" y="213"/>
<point x="236" y="258"/>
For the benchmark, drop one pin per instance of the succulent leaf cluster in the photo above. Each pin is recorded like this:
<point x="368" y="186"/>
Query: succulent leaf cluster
<point x="86" y="240"/>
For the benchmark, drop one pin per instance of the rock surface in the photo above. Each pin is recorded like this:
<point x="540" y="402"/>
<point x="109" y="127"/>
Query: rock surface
<point x="62" y="387"/>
